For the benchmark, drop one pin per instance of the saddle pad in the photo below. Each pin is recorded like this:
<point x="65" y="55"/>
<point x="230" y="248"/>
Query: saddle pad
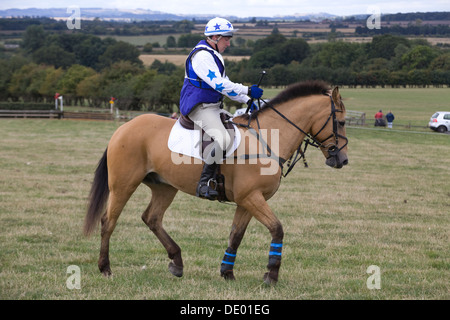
<point x="189" y="142"/>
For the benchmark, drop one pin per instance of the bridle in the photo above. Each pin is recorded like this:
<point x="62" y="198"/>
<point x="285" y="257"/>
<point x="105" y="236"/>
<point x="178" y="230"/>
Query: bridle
<point x="333" y="150"/>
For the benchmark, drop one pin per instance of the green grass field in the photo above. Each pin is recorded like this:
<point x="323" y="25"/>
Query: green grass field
<point x="389" y="207"/>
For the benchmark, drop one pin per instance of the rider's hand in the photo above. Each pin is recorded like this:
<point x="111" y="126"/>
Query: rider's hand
<point x="255" y="92"/>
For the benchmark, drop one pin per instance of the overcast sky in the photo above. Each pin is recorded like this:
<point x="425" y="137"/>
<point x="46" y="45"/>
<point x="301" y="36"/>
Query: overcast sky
<point x="244" y="8"/>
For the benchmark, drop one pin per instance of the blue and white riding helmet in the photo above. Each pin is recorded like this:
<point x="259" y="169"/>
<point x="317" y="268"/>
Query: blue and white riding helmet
<point x="219" y="26"/>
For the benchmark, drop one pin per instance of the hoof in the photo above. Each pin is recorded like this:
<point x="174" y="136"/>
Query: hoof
<point x="228" y="275"/>
<point x="269" y="280"/>
<point x="175" y="270"/>
<point x="106" y="273"/>
<point x="105" y="270"/>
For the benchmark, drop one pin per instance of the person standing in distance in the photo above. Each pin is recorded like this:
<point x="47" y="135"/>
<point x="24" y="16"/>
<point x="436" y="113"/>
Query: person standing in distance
<point x="205" y="85"/>
<point x="390" y="118"/>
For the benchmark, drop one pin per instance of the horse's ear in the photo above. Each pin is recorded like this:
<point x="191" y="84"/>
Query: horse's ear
<point x="336" y="96"/>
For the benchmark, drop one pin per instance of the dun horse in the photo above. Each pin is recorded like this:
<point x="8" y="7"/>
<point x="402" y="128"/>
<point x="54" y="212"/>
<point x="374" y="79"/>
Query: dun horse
<point x="138" y="153"/>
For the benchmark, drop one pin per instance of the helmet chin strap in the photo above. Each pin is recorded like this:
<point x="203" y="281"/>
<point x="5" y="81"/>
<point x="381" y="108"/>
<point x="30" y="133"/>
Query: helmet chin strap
<point x="215" y="41"/>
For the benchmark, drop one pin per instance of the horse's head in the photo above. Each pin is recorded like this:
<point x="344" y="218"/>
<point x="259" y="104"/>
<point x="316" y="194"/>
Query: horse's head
<point x="329" y="130"/>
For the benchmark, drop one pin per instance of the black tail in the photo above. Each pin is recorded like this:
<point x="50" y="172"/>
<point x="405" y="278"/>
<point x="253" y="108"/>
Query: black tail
<point x="97" y="197"/>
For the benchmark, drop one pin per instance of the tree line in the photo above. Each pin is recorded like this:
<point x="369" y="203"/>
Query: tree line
<point x="87" y="69"/>
<point x="98" y="26"/>
<point x="134" y="87"/>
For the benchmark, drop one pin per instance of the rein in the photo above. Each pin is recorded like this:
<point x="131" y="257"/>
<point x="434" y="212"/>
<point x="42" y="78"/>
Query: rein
<point x="309" y="140"/>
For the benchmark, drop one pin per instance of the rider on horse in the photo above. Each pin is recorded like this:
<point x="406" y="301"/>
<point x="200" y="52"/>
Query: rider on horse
<point x="201" y="100"/>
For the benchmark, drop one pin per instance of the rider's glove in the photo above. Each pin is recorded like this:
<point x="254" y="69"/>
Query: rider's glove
<point x="255" y="92"/>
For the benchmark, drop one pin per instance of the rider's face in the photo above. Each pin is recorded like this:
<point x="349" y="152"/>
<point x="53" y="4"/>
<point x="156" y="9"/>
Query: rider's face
<point x="223" y="43"/>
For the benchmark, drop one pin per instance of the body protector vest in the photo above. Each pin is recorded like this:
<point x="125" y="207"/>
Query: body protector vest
<point x="195" y="91"/>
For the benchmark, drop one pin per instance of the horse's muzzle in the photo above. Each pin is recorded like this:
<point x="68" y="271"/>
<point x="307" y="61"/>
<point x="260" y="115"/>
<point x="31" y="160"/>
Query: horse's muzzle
<point x="337" y="160"/>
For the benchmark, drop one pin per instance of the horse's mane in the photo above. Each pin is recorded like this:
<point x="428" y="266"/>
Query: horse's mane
<point x="300" y="89"/>
<point x="296" y="90"/>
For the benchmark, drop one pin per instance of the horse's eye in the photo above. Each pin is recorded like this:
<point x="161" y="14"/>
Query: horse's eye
<point x="342" y="123"/>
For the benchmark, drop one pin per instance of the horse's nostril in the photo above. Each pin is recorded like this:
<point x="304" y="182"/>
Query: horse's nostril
<point x="345" y="162"/>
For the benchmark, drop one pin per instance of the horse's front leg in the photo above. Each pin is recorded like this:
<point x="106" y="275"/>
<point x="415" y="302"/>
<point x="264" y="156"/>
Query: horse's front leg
<point x="258" y="207"/>
<point x="240" y="222"/>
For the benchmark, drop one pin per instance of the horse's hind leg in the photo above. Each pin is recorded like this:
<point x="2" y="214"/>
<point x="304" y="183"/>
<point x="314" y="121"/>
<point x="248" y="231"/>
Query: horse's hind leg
<point x="240" y="222"/>
<point x="109" y="220"/>
<point x="162" y="197"/>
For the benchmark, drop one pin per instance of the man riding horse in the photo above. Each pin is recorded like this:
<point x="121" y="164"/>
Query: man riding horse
<point x="201" y="100"/>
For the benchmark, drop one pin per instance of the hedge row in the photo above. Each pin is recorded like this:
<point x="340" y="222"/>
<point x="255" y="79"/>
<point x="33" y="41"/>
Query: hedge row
<point x="26" y="106"/>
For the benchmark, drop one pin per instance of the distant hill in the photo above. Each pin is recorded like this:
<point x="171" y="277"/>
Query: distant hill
<point x="145" y="14"/>
<point x="87" y="13"/>
<point x="139" y="14"/>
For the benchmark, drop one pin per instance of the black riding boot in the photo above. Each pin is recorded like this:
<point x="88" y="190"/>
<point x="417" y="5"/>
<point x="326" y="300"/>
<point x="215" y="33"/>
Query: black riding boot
<point x="205" y="185"/>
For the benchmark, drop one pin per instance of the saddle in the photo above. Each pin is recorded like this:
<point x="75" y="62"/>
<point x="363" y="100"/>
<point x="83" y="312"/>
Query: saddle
<point x="218" y="179"/>
<point x="189" y="125"/>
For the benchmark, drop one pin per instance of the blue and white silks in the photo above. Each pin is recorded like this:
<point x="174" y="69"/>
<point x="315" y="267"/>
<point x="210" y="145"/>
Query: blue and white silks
<point x="205" y="80"/>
